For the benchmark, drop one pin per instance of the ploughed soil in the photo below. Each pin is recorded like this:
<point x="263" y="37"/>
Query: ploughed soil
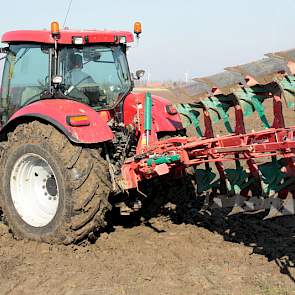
<point x="205" y="255"/>
<point x="179" y="252"/>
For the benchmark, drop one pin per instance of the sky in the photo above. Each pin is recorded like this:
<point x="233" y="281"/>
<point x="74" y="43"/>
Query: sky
<point x="193" y="37"/>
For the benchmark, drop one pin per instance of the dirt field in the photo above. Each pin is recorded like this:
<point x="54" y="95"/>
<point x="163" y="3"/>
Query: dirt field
<point x="240" y="255"/>
<point x="175" y="254"/>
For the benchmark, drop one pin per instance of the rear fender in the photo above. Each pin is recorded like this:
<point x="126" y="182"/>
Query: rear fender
<point x="55" y="112"/>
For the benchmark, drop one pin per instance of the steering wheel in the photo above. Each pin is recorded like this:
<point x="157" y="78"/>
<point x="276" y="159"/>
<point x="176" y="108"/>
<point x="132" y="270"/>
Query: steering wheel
<point x="71" y="88"/>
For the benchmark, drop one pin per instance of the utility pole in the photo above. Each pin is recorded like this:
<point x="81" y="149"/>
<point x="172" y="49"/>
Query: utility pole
<point x="186" y="77"/>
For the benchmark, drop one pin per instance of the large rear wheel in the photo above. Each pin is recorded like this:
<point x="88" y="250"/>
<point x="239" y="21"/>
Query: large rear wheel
<point x="52" y="190"/>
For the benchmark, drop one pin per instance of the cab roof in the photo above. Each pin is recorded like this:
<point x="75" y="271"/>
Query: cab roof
<point x="66" y="36"/>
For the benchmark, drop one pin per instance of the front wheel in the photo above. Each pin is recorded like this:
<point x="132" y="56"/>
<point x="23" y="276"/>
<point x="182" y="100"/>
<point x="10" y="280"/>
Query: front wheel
<point x="52" y="190"/>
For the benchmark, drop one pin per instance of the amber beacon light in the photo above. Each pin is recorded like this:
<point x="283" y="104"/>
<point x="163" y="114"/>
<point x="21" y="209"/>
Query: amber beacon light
<point x="55" y="29"/>
<point x="137" y="29"/>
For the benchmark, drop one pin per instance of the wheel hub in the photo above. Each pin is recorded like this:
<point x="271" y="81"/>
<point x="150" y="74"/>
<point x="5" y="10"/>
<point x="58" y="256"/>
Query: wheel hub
<point x="51" y="186"/>
<point x="34" y="190"/>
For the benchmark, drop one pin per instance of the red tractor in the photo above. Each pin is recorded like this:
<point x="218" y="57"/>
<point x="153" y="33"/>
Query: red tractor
<point x="76" y="141"/>
<point x="69" y="121"/>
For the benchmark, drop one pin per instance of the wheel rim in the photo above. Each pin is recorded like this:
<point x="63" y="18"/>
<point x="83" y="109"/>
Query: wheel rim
<point x="34" y="190"/>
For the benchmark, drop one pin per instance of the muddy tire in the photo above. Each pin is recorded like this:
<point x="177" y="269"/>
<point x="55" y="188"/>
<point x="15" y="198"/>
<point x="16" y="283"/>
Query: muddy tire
<point x="52" y="190"/>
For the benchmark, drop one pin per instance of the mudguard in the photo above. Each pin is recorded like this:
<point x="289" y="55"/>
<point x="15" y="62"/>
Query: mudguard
<point x="55" y="111"/>
<point x="162" y="120"/>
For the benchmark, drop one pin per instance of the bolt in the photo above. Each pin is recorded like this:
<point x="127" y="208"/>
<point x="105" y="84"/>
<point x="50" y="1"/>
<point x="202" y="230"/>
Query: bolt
<point x="49" y="198"/>
<point x="54" y="198"/>
<point x="45" y="194"/>
<point x="43" y="186"/>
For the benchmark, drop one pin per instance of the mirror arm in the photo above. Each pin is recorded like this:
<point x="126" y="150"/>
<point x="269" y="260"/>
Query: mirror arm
<point x="133" y="77"/>
<point x="4" y="50"/>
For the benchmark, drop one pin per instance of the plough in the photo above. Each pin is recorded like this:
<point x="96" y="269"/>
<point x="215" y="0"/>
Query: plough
<point x="244" y="169"/>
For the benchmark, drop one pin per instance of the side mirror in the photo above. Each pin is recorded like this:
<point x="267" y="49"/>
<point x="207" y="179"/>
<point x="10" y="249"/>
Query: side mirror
<point x="138" y="74"/>
<point x="3" y="50"/>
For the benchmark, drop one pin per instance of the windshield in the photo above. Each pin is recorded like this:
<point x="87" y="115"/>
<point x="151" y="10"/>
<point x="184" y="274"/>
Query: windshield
<point x="97" y="75"/>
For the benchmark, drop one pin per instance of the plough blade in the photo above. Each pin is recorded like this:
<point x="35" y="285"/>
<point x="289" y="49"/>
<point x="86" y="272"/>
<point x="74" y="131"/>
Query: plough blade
<point x="287" y="84"/>
<point x="236" y="210"/>
<point x="281" y="208"/>
<point x="288" y="206"/>
<point x="218" y="202"/>
<point x="287" y="55"/>
<point x="225" y="82"/>
<point x="263" y="71"/>
<point x="274" y="211"/>
<point x="191" y="93"/>
<point x="239" y="204"/>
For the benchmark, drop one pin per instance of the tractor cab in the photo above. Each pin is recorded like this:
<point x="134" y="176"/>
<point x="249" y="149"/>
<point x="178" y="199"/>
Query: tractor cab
<point x="86" y="66"/>
<point x="73" y="79"/>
